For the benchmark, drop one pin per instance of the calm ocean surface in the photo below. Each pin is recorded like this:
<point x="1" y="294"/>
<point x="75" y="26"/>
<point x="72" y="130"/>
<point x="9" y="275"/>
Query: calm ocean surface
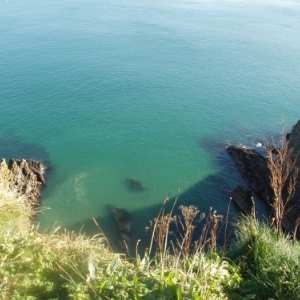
<point x="149" y="90"/>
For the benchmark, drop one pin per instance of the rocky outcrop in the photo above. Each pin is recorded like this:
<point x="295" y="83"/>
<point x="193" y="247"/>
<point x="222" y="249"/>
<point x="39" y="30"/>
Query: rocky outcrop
<point x="294" y="142"/>
<point x="122" y="219"/>
<point x="242" y="197"/>
<point x="254" y="169"/>
<point x="294" y="146"/>
<point x="27" y="177"/>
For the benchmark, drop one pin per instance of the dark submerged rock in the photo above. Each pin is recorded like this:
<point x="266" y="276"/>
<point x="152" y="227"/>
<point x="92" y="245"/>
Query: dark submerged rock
<point x="134" y="185"/>
<point x="123" y="222"/>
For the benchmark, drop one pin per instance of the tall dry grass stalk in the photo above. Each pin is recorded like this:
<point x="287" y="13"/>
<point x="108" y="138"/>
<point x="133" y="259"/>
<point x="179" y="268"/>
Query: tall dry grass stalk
<point x="179" y="232"/>
<point x="283" y="178"/>
<point x="214" y="220"/>
<point x="186" y="226"/>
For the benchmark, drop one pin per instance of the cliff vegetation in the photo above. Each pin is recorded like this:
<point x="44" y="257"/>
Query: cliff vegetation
<point x="260" y="264"/>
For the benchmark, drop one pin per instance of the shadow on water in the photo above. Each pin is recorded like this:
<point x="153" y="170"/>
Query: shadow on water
<point x="211" y="192"/>
<point x="13" y="146"/>
<point x="237" y="134"/>
<point x="204" y="195"/>
<point x="229" y="171"/>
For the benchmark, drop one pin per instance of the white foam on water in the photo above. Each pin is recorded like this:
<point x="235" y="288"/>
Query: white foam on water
<point x="80" y="187"/>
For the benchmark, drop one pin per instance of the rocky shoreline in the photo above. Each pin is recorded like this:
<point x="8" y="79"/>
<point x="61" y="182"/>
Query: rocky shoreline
<point x="254" y="169"/>
<point x="26" y="178"/>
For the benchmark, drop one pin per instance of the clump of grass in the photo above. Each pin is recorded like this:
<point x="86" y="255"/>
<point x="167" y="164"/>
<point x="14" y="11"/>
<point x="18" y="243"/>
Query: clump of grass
<point x="52" y="266"/>
<point x="5" y="174"/>
<point x="269" y="263"/>
<point x="15" y="212"/>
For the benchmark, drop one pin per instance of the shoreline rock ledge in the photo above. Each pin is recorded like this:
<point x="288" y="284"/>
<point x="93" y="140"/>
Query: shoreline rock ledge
<point x="254" y="169"/>
<point x="242" y="197"/>
<point x="26" y="178"/>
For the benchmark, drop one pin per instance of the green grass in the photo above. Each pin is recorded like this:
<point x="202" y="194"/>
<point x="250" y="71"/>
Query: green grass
<point x="15" y="213"/>
<point x="63" y="265"/>
<point x="66" y="266"/>
<point x="269" y="263"/>
<point x="50" y="266"/>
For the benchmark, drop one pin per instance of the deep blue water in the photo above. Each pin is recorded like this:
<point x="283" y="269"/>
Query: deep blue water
<point x="149" y="90"/>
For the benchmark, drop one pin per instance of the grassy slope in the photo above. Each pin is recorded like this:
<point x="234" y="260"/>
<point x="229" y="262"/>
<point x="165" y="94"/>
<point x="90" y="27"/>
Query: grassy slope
<point x="64" y="265"/>
<point x="269" y="263"/>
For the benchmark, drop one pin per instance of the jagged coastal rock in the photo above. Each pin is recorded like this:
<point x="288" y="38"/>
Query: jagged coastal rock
<point x="294" y="142"/>
<point x="294" y="136"/>
<point x="242" y="197"/>
<point x="294" y="146"/>
<point x="254" y="169"/>
<point x="27" y="177"/>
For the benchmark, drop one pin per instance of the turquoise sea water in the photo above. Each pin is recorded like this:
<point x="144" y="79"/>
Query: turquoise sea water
<point x="149" y="90"/>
